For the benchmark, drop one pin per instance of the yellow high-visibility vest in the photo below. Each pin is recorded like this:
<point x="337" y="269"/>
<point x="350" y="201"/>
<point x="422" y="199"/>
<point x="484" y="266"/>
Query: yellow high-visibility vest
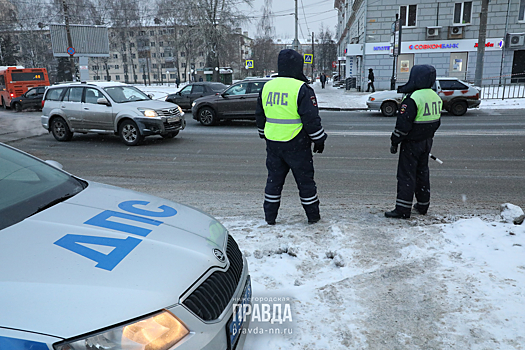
<point x="279" y="100"/>
<point x="428" y="106"/>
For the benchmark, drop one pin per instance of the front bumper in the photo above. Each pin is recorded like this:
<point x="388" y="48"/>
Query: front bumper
<point x="44" y="119"/>
<point x="162" y="126"/>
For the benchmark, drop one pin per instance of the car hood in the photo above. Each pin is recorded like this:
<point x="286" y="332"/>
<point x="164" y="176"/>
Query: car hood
<point x="385" y="95"/>
<point x="153" y="104"/>
<point x="49" y="283"/>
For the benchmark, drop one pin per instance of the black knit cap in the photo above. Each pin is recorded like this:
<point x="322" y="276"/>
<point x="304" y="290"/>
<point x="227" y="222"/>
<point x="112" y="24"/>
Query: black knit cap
<point x="290" y="64"/>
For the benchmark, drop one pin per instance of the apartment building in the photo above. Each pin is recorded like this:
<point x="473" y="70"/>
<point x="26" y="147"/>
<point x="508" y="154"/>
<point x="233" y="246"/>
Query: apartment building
<point x="437" y="32"/>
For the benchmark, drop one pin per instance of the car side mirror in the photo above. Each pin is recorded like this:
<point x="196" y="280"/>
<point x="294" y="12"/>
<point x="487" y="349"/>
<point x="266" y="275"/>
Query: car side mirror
<point x="150" y="96"/>
<point x="55" y="164"/>
<point x="179" y="93"/>
<point x="103" y="101"/>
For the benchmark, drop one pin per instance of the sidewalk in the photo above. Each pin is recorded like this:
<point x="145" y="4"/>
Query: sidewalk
<point x="336" y="99"/>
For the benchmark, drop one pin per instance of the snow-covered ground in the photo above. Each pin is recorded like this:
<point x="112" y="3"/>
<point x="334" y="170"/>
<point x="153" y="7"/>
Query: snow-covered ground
<point x="331" y="97"/>
<point x="357" y="280"/>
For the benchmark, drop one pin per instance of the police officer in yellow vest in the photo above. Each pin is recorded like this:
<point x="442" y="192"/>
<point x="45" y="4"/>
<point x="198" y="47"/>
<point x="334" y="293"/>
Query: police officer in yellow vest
<point x="417" y="121"/>
<point x="288" y="118"/>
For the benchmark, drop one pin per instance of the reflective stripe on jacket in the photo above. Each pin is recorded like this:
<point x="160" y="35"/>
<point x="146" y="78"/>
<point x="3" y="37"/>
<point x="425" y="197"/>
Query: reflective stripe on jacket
<point x="279" y="100"/>
<point x="428" y="106"/>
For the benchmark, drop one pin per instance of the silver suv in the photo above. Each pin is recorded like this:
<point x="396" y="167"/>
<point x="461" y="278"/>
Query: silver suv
<point x="108" y="108"/>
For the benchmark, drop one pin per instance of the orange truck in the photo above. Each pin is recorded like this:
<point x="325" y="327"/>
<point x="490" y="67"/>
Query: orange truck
<point x="15" y="81"/>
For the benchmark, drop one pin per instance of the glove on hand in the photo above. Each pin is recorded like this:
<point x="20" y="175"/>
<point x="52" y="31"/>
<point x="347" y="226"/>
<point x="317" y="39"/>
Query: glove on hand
<point x="393" y="149"/>
<point x="262" y="136"/>
<point x="318" y="147"/>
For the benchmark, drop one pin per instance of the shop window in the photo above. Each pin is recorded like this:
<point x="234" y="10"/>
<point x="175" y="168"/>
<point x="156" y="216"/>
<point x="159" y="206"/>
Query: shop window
<point x="463" y="12"/>
<point x="407" y="15"/>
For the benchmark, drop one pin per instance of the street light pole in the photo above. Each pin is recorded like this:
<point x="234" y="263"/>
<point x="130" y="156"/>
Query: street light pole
<point x="69" y="40"/>
<point x="296" y="40"/>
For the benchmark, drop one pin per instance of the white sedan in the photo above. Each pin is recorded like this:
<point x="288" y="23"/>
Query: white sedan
<point x="457" y="97"/>
<point x="89" y="266"/>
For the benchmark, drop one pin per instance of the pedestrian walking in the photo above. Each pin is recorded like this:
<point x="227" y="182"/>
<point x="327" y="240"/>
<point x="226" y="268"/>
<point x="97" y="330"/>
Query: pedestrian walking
<point x="288" y="119"/>
<point x="322" y="79"/>
<point x="370" y="80"/>
<point x="177" y="82"/>
<point x="417" y="121"/>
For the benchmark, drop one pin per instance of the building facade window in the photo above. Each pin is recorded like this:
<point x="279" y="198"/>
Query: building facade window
<point x="163" y="76"/>
<point x="173" y="76"/>
<point x="162" y="54"/>
<point x="117" y="66"/>
<point x="182" y="54"/>
<point x="407" y="15"/>
<point x="115" y="56"/>
<point x="155" y="76"/>
<point x="161" y="43"/>
<point x="154" y="65"/>
<point x="131" y="44"/>
<point x="463" y="12"/>
<point x="94" y="67"/>
<point x="183" y="65"/>
<point x="117" y="77"/>
<point x="154" y="55"/>
<point x="133" y="55"/>
<point x="151" y="33"/>
<point x="521" y="14"/>
<point x="152" y="44"/>
<point x="201" y="64"/>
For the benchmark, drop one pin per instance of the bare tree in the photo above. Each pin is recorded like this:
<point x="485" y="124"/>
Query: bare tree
<point x="326" y="50"/>
<point x="265" y="51"/>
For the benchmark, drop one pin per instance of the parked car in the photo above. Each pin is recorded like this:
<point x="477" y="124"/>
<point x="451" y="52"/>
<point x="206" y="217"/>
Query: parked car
<point x="108" y="108"/>
<point x="457" y="97"/>
<point x="185" y="97"/>
<point x="237" y="102"/>
<point x="32" y="99"/>
<point x="90" y="266"/>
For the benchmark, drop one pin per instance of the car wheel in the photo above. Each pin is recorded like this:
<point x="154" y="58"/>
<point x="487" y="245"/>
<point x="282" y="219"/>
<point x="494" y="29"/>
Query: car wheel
<point x="207" y="116"/>
<point x="459" y="108"/>
<point x="389" y="109"/>
<point x="170" y="135"/>
<point x="129" y="133"/>
<point x="18" y="107"/>
<point x="60" y="129"/>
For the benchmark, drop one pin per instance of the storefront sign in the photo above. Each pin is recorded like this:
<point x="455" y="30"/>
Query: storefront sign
<point x="430" y="46"/>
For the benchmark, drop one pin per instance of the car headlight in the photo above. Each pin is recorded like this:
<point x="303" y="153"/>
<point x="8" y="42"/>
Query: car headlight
<point x="193" y="104"/>
<point x="180" y="110"/>
<point x="372" y="99"/>
<point x="148" y="112"/>
<point x="158" y="332"/>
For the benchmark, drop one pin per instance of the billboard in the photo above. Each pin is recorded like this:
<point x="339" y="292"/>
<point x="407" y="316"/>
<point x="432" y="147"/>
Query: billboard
<point x="87" y="41"/>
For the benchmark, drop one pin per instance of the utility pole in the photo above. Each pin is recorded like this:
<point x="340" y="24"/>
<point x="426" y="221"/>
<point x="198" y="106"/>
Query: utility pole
<point x="69" y="41"/>
<point x="313" y="57"/>
<point x="482" y="38"/>
<point x="296" y="40"/>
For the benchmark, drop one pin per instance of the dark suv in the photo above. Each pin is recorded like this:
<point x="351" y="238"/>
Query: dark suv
<point x="32" y="99"/>
<point x="185" y="97"/>
<point x="237" y="102"/>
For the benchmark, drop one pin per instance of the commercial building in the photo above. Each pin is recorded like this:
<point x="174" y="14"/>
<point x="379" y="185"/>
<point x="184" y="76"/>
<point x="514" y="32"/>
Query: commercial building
<point x="441" y="33"/>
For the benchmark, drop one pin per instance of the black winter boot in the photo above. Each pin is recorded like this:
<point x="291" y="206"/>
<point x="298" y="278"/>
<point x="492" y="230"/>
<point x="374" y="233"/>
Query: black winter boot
<point x="397" y="215"/>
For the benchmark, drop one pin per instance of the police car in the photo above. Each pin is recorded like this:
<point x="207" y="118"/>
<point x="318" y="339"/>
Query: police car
<point x="89" y="266"/>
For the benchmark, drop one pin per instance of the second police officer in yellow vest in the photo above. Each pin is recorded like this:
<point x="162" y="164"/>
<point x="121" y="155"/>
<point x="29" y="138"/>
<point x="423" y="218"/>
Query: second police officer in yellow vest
<point x="417" y="121"/>
<point x="288" y="118"/>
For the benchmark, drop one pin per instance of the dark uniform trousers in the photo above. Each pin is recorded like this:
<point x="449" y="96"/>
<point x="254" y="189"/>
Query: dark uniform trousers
<point x="280" y="158"/>
<point x="413" y="175"/>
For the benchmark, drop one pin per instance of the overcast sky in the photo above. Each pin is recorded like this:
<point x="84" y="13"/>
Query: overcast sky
<point x="312" y="13"/>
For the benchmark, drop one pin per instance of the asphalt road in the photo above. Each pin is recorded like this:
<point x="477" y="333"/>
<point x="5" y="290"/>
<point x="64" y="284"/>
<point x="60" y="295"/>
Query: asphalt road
<point x="222" y="169"/>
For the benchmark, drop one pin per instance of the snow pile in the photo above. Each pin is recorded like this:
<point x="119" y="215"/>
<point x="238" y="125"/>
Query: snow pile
<point x="365" y="282"/>
<point x="512" y="213"/>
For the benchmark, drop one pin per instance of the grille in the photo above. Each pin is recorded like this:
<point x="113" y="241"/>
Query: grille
<point x="171" y="112"/>
<point x="210" y="299"/>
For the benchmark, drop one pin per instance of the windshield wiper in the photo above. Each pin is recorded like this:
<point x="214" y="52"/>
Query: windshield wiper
<point x="53" y="202"/>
